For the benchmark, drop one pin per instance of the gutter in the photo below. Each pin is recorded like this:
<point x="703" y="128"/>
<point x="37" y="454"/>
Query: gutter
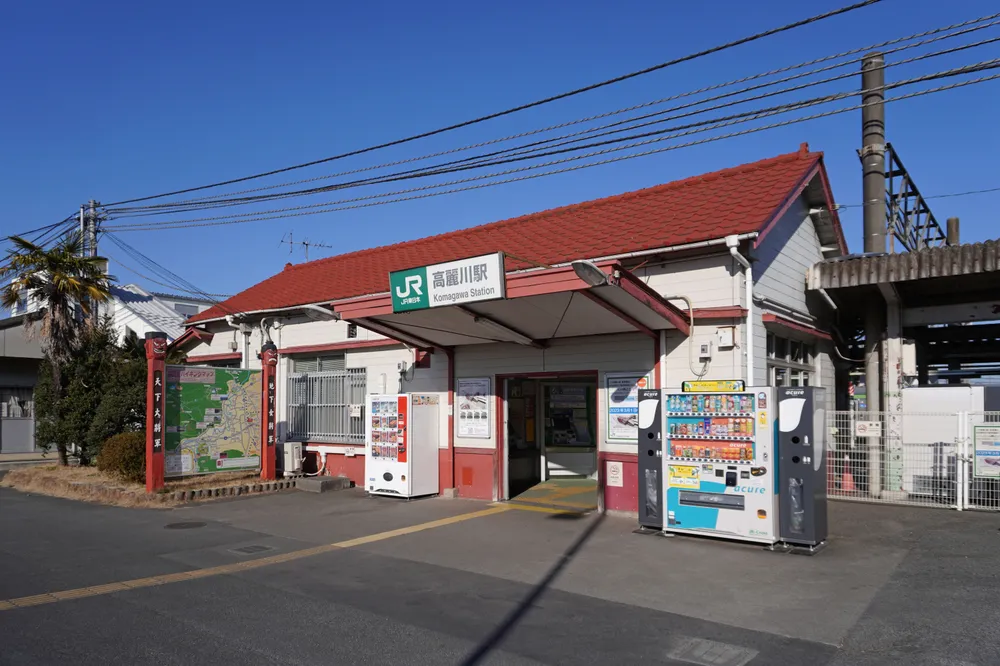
<point x="733" y="243"/>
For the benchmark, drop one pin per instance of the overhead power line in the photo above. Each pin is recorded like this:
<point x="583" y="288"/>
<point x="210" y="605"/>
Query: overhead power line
<point x="175" y="281"/>
<point x="218" y="200"/>
<point x="671" y="133"/>
<point x="523" y="107"/>
<point x="920" y="93"/>
<point x="162" y="284"/>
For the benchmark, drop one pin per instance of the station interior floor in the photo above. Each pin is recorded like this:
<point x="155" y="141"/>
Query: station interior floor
<point x="571" y="494"/>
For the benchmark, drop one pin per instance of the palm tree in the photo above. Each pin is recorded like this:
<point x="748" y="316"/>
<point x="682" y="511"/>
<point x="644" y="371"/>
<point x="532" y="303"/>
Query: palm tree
<point x="59" y="280"/>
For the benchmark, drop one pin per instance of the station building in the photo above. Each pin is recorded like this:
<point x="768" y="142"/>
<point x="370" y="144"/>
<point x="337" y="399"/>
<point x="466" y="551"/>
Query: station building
<point x="702" y="278"/>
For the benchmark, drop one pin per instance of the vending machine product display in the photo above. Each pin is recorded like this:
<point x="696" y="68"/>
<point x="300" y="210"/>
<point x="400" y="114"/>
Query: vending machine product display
<point x="402" y="434"/>
<point x="719" y="464"/>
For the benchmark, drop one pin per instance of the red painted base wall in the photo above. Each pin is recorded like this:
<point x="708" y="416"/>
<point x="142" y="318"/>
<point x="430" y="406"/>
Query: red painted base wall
<point x="337" y="464"/>
<point x="474" y="473"/>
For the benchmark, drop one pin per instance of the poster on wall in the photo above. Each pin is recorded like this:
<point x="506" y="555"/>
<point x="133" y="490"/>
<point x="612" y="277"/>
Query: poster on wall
<point x="474" y="407"/>
<point x="622" y="391"/>
<point x="987" y="443"/>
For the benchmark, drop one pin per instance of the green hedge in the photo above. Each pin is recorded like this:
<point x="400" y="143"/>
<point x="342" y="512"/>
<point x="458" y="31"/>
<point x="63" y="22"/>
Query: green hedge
<point x="124" y="456"/>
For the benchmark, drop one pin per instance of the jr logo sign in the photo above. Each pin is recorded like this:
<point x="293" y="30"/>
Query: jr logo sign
<point x="409" y="289"/>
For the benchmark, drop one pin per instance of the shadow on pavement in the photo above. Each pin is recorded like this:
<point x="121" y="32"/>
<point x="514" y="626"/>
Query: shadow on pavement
<point x="500" y="633"/>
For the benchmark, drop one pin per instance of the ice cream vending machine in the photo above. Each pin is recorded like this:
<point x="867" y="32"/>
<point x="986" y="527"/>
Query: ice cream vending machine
<point x="719" y="463"/>
<point x="402" y="435"/>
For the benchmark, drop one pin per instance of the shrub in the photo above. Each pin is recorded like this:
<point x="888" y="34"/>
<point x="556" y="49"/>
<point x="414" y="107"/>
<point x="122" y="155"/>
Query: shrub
<point x="124" y="456"/>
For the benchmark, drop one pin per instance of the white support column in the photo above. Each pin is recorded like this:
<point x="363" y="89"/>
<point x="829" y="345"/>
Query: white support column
<point x="892" y="396"/>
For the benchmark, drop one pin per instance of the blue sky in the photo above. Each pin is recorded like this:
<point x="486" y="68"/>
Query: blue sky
<point x="113" y="100"/>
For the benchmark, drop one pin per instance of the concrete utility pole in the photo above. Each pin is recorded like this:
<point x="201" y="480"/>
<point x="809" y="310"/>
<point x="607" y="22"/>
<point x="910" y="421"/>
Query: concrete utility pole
<point x="873" y="183"/>
<point x="873" y="150"/>
<point x="953" y="232"/>
<point x="92" y="229"/>
<point x="872" y="155"/>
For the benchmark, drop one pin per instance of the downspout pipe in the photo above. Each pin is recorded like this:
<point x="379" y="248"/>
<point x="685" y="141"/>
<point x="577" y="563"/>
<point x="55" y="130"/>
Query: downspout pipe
<point x="733" y="243"/>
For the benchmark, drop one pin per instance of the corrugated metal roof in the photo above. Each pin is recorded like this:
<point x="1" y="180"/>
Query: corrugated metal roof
<point x="150" y="309"/>
<point x="935" y="262"/>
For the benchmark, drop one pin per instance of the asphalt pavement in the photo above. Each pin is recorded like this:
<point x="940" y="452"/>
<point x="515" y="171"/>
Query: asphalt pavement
<point x="339" y="578"/>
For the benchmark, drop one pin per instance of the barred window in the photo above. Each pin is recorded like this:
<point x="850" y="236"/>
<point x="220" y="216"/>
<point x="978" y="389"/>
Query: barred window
<point x="326" y="400"/>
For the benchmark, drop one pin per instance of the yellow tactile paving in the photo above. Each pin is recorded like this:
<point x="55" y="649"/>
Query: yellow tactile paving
<point x="152" y="581"/>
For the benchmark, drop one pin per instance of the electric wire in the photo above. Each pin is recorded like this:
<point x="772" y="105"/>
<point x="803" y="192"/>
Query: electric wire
<point x="700" y="127"/>
<point x="619" y="158"/>
<point x="212" y="200"/>
<point x="162" y="284"/>
<point x="523" y="107"/>
<point x="706" y="125"/>
<point x="175" y="280"/>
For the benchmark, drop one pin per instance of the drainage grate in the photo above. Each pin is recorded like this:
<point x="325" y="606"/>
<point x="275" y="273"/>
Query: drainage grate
<point x="250" y="550"/>
<point x="183" y="526"/>
<point x="710" y="653"/>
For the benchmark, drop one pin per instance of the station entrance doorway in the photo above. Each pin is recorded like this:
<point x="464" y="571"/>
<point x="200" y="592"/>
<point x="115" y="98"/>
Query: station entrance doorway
<point x="550" y="438"/>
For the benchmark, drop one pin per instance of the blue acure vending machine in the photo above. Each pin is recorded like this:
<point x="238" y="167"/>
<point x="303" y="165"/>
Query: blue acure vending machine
<point x="720" y="463"/>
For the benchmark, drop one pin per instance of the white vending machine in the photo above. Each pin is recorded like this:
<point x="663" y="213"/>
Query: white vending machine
<point x="402" y="435"/>
<point x="719" y="462"/>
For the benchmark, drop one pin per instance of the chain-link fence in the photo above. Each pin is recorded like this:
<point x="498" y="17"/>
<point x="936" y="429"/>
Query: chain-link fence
<point x="924" y="459"/>
<point x="327" y="406"/>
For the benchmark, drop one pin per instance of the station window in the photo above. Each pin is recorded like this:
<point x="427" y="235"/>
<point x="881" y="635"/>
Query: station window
<point x="325" y="399"/>
<point x="789" y="362"/>
<point x="322" y="363"/>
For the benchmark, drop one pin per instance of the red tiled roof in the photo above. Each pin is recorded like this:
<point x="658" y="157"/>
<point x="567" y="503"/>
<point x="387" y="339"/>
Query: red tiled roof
<point x="742" y="199"/>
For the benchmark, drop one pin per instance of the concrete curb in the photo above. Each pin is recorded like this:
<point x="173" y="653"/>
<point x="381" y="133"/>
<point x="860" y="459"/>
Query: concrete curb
<point x="230" y="491"/>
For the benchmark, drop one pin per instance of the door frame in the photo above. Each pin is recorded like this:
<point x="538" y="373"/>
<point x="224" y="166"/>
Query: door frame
<point x="501" y="481"/>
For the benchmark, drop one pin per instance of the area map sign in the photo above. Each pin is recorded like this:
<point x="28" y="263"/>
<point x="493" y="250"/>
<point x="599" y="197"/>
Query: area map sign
<point x="212" y="420"/>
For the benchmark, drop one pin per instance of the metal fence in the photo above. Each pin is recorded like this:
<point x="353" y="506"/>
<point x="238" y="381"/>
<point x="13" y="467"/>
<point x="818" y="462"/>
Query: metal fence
<point x="327" y="406"/>
<point x="947" y="460"/>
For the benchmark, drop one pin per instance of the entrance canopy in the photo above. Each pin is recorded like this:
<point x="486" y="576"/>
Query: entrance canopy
<point x="540" y="305"/>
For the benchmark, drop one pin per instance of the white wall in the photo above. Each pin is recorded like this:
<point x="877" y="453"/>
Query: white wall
<point x="605" y="353"/>
<point x="708" y="281"/>
<point x="789" y="249"/>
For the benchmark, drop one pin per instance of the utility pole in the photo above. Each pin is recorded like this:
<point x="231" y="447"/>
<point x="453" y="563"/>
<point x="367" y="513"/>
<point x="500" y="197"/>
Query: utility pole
<point x="92" y="229"/>
<point x="88" y="240"/>
<point x="873" y="150"/>
<point x="872" y="156"/>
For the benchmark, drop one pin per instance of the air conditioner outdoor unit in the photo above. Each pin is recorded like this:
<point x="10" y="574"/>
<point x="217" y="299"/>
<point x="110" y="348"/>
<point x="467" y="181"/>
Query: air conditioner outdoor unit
<point x="293" y="458"/>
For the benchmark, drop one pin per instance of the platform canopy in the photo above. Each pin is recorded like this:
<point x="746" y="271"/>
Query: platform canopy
<point x="538" y="305"/>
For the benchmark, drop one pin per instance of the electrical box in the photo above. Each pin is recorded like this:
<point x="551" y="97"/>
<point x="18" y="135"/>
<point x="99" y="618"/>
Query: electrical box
<point x="233" y="346"/>
<point x="293" y="458"/>
<point x="726" y="337"/>
<point x="705" y="352"/>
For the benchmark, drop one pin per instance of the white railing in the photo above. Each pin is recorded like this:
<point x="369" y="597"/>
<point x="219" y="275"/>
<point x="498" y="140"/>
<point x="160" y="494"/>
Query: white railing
<point x="327" y="406"/>
<point x="923" y="459"/>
